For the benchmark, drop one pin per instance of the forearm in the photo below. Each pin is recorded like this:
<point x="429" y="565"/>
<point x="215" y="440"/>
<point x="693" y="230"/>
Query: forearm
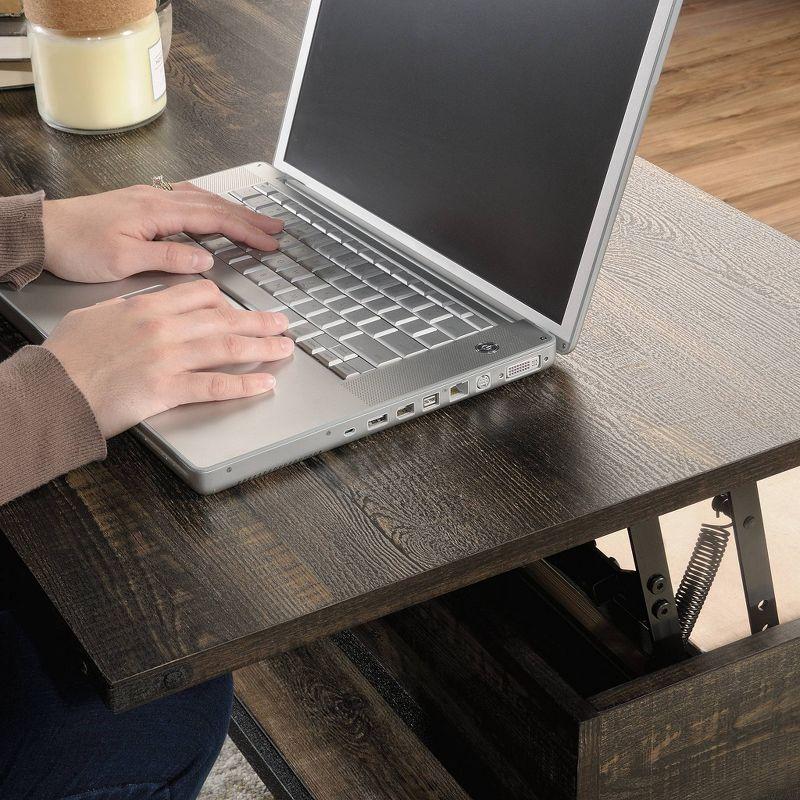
<point x="46" y="425"/>
<point x="21" y="238"/>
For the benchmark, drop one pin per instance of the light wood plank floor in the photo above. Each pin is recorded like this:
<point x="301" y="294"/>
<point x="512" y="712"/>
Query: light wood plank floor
<point x="726" y="115"/>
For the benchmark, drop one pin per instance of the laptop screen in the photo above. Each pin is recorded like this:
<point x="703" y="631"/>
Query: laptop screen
<point x="482" y="129"/>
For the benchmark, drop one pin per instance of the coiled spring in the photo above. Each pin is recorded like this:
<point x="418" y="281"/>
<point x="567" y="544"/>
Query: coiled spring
<point x="700" y="573"/>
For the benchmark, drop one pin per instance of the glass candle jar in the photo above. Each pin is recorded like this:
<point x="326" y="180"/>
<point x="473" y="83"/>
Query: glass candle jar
<point x="99" y="81"/>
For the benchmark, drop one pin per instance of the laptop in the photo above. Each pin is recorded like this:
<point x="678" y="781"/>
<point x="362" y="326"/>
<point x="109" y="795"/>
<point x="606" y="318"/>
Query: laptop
<point x="448" y="175"/>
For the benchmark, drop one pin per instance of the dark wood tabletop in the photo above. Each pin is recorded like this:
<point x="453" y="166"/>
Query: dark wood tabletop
<point x="685" y="383"/>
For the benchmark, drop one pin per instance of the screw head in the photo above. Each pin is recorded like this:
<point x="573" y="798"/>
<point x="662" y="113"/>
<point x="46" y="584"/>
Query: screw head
<point x="749" y="522"/>
<point x="661" y="608"/>
<point x="657" y="584"/>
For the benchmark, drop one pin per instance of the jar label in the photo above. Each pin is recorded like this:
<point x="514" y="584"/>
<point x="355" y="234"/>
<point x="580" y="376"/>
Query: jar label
<point x="157" y="70"/>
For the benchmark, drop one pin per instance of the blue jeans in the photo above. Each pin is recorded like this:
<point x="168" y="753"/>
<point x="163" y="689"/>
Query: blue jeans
<point x="58" y="741"/>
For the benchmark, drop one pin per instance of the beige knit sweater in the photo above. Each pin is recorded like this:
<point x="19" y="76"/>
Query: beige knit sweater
<point x="48" y="426"/>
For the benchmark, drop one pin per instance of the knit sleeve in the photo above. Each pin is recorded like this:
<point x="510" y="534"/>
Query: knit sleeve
<point x="21" y="238"/>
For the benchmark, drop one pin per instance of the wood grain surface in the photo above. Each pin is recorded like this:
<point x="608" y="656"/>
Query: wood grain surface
<point x="685" y="383"/>
<point x="726" y="115"/>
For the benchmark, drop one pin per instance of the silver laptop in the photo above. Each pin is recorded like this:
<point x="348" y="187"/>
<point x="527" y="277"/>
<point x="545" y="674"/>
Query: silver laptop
<point x="448" y="175"/>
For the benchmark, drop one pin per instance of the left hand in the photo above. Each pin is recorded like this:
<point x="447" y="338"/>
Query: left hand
<point x="105" y="237"/>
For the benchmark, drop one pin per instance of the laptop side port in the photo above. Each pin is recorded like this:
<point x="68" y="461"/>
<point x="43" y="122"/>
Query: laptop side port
<point x="405" y="411"/>
<point x="381" y="420"/>
<point x="430" y="401"/>
<point x="349" y="431"/>
<point x="459" y="391"/>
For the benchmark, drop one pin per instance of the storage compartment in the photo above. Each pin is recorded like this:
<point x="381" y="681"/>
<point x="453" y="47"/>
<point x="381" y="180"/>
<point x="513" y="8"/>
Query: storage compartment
<point x="519" y="688"/>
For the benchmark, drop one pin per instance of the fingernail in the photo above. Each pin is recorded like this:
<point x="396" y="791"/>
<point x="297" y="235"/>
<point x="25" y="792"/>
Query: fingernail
<point x="269" y="382"/>
<point x="200" y="258"/>
<point x="287" y="345"/>
<point x="280" y="320"/>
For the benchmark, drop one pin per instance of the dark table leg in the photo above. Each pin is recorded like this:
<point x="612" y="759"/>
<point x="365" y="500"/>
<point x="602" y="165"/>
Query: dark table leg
<point x="751" y="544"/>
<point x="647" y="544"/>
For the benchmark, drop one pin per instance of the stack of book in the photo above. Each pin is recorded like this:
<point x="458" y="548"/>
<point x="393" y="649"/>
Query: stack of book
<point x="15" y="64"/>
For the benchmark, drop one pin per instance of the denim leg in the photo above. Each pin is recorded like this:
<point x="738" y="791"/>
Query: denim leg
<point x="58" y="740"/>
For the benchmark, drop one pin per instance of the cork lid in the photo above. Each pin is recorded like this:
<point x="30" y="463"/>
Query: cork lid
<point x="87" y="15"/>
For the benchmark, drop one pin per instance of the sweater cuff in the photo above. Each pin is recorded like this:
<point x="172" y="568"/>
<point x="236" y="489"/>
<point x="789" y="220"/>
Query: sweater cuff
<point x="47" y="426"/>
<point x="21" y="238"/>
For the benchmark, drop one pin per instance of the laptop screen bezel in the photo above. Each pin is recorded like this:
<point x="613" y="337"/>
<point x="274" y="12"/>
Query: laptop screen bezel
<point x="568" y="330"/>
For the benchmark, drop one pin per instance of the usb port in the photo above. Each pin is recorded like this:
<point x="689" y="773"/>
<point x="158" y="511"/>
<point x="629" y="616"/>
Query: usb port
<point x="405" y="411"/>
<point x="381" y="420"/>
<point x="459" y="391"/>
<point x="431" y="401"/>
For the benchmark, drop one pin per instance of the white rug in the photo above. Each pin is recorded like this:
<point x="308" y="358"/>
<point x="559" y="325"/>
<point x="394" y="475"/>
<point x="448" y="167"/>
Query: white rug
<point x="232" y="778"/>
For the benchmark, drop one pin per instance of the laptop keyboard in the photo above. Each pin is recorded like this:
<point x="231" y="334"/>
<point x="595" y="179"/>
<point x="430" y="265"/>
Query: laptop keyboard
<point x="348" y="306"/>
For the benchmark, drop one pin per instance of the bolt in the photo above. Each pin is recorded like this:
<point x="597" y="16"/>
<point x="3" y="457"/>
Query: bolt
<point x="749" y="522"/>
<point x="174" y="678"/>
<point x="657" y="584"/>
<point x="661" y="608"/>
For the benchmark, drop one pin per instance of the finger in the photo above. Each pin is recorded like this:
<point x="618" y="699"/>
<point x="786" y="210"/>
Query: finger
<point x="219" y="216"/>
<point x="197" y="196"/>
<point x="201" y="387"/>
<point x="225" y="319"/>
<point x="217" y="351"/>
<point x="139" y="256"/>
<point x="179" y="299"/>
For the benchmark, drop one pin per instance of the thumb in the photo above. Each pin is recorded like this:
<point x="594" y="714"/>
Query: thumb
<point x="165" y="256"/>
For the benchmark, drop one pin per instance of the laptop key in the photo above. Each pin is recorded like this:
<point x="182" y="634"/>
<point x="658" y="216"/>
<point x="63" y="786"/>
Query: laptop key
<point x="293" y="298"/>
<point x="325" y="341"/>
<point x="414" y="302"/>
<point x="342" y="351"/>
<point x="315" y="263"/>
<point x="325" y="293"/>
<point x="293" y="317"/>
<point x="243" y="194"/>
<point x="377" y="327"/>
<point x="358" y="315"/>
<point x="349" y="260"/>
<point x="303" y="331"/>
<point x="478" y="322"/>
<point x="310" y="346"/>
<point x="218" y="245"/>
<point x="275" y="286"/>
<point x="344" y="370"/>
<point x="327" y="358"/>
<point x="432" y="314"/>
<point x="364" y="271"/>
<point x="326" y="319"/>
<point x="455" y="327"/>
<point x="260" y="274"/>
<point x="457" y="308"/>
<point x="360" y="364"/>
<point x="331" y="273"/>
<point x="342" y="304"/>
<point x="397" y="316"/>
<point x="372" y="350"/>
<point x="402" y="344"/>
<point x="278" y="262"/>
<point x="242" y="262"/>
<point x="398" y="292"/>
<point x="414" y="327"/>
<point x="309" y="284"/>
<point x="349" y="283"/>
<point x="434" y="338"/>
<point x="365" y="295"/>
<point x="298" y="251"/>
<point x="230" y="253"/>
<point x="310" y="308"/>
<point x="380" y="304"/>
<point x="334" y="248"/>
<point x="343" y="331"/>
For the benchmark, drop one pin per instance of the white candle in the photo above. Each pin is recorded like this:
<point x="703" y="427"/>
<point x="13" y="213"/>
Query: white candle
<point x="99" y="81"/>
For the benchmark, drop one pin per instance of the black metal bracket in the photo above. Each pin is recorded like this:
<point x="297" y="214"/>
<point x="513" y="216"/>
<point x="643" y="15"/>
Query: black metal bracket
<point x="743" y="506"/>
<point x="650" y="557"/>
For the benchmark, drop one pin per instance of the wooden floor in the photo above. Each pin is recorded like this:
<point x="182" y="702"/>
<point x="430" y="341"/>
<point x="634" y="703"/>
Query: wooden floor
<point x="727" y="111"/>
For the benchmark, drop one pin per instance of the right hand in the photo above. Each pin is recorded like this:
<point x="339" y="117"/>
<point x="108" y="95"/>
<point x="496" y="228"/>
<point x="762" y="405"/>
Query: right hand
<point x="137" y="357"/>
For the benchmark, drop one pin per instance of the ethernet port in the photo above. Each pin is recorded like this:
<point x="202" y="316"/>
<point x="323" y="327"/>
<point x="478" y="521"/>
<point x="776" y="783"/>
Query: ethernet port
<point x="459" y="391"/>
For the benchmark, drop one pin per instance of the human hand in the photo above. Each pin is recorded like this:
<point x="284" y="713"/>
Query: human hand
<point x="105" y="237"/>
<point x="137" y="357"/>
